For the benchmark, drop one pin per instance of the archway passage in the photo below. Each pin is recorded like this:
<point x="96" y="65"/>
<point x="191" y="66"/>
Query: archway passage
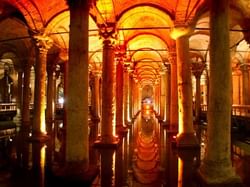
<point x="146" y="156"/>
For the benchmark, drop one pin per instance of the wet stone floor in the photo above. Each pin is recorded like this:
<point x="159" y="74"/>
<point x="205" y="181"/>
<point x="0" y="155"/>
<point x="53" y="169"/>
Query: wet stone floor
<point x="145" y="157"/>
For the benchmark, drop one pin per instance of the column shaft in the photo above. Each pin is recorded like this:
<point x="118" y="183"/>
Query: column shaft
<point x="185" y="135"/>
<point x="39" y="126"/>
<point x="76" y="82"/>
<point x="174" y="96"/>
<point x="217" y="166"/>
<point x="125" y="95"/>
<point x="168" y="89"/>
<point x="163" y="97"/>
<point x="19" y="98"/>
<point x="26" y="97"/>
<point x="245" y="85"/>
<point x="119" y="96"/>
<point x="198" y="98"/>
<point x="107" y="92"/>
<point x="50" y="109"/>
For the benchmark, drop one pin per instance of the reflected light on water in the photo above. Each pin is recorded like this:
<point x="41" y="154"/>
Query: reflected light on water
<point x="180" y="172"/>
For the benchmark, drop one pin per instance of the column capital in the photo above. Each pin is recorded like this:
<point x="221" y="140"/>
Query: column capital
<point x="244" y="67"/>
<point x="180" y="30"/>
<point x="108" y="31"/>
<point x="43" y="42"/>
<point x="172" y="58"/>
<point x="197" y="68"/>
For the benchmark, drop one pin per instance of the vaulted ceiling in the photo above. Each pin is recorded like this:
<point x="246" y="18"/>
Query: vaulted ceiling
<point x="143" y="29"/>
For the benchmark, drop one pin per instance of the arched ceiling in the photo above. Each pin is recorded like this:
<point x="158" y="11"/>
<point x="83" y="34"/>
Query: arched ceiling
<point x="143" y="28"/>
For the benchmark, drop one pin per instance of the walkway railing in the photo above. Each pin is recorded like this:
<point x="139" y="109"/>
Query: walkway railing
<point x="237" y="110"/>
<point x="7" y="107"/>
<point x="12" y="106"/>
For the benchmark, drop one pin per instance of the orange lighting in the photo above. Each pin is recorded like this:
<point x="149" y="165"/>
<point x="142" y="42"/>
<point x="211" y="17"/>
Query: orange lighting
<point x="43" y="123"/>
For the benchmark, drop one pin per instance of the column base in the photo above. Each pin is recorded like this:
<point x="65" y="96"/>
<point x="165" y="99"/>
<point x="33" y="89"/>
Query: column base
<point x="218" y="173"/>
<point x="106" y="142"/>
<point x="187" y="140"/>
<point x="74" y="174"/>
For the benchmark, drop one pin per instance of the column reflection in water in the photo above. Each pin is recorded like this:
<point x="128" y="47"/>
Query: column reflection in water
<point x="121" y="172"/>
<point x="107" y="167"/>
<point x="38" y="164"/>
<point x="187" y="166"/>
<point x="171" y="172"/>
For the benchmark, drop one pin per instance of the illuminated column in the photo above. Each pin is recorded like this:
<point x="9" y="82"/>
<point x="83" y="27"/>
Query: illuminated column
<point x="156" y="96"/>
<point x="168" y="93"/>
<point x="125" y="94"/>
<point x="26" y="97"/>
<point x="108" y="81"/>
<point x="163" y="96"/>
<point x="50" y="109"/>
<point x="245" y="84"/>
<point x="39" y="126"/>
<point x="119" y="97"/>
<point x="76" y="89"/>
<point x="96" y="95"/>
<point x="216" y="167"/>
<point x="173" y="94"/>
<point x="130" y="94"/>
<point x="186" y="136"/>
<point x="197" y="69"/>
<point x="19" y="98"/>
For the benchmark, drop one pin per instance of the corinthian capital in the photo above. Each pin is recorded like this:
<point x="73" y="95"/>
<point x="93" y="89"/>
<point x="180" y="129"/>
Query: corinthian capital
<point x="43" y="42"/>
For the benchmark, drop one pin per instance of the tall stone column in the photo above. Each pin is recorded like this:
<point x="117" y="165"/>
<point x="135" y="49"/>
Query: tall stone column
<point x="245" y="84"/>
<point x="26" y="97"/>
<point x="119" y="97"/>
<point x="50" y="109"/>
<point x="216" y="167"/>
<point x="39" y="125"/>
<point x="19" y="99"/>
<point x="173" y="94"/>
<point x="163" y="96"/>
<point x="76" y="89"/>
<point x="108" y="94"/>
<point x="186" y="136"/>
<point x="95" y="103"/>
<point x="168" y="92"/>
<point x="130" y="94"/>
<point x="126" y="93"/>
<point x="197" y="69"/>
<point x="96" y="95"/>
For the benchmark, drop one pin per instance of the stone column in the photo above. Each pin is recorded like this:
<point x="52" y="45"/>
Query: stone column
<point x="95" y="100"/>
<point x="130" y="94"/>
<point x="50" y="109"/>
<point x="197" y="69"/>
<point x="26" y="97"/>
<point x="216" y="167"/>
<point x="125" y="93"/>
<point x="119" y="97"/>
<point x="186" y="136"/>
<point x="19" y="99"/>
<point x="96" y="95"/>
<point x="163" y="96"/>
<point x="245" y="84"/>
<point x="39" y="126"/>
<point x="108" y="81"/>
<point x="173" y="94"/>
<point x="198" y="98"/>
<point x="168" y="92"/>
<point x="76" y="89"/>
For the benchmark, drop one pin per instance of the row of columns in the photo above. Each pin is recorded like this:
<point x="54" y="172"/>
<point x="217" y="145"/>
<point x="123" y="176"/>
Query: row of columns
<point x="217" y="164"/>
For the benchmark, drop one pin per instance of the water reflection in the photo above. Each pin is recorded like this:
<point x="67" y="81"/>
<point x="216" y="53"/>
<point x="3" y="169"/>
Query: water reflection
<point x="144" y="157"/>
